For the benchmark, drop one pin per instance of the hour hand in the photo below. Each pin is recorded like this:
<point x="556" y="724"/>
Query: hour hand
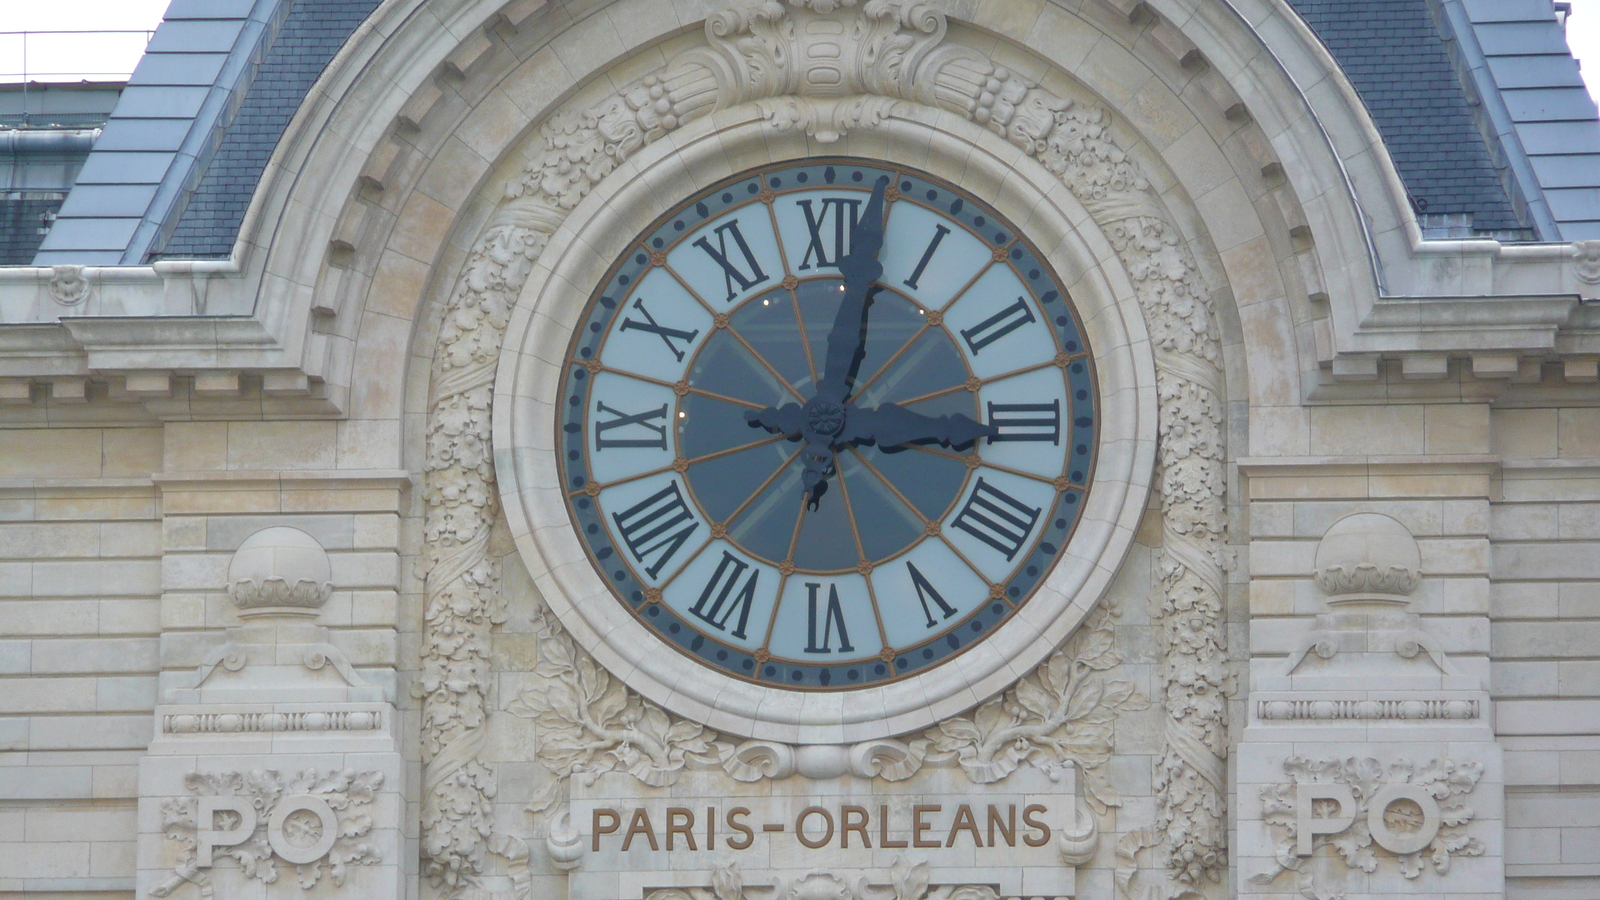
<point x="788" y="420"/>
<point x="891" y="426"/>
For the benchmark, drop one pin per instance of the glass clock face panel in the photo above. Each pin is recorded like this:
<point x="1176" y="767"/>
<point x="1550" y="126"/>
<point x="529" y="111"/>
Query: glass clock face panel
<point x="817" y="462"/>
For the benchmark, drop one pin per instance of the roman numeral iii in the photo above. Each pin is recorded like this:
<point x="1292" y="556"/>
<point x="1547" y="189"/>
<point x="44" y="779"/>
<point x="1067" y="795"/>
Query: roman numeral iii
<point x="1026" y="421"/>
<point x="747" y="276"/>
<point x="656" y="526"/>
<point x="997" y="518"/>
<point x="714" y="608"/>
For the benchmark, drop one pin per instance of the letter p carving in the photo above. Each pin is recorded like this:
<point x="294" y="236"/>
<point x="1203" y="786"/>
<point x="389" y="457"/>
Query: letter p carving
<point x="1306" y="827"/>
<point x="206" y="834"/>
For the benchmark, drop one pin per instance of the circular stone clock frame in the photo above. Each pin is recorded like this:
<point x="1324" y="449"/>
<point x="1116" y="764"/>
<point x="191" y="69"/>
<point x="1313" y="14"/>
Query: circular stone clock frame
<point x="543" y="352"/>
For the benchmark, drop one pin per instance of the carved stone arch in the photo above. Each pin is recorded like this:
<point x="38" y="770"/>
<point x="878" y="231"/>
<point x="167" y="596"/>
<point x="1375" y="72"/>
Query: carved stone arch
<point x="584" y="143"/>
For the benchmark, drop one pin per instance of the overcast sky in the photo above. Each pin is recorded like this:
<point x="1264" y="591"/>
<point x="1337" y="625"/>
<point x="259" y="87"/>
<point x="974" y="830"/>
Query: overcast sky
<point x="51" y="56"/>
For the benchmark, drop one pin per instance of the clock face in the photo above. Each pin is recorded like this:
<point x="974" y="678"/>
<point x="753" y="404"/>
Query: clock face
<point x="827" y="424"/>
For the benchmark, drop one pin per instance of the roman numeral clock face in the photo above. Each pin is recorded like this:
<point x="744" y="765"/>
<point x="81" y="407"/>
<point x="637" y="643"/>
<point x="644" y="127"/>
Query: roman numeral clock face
<point x="827" y="425"/>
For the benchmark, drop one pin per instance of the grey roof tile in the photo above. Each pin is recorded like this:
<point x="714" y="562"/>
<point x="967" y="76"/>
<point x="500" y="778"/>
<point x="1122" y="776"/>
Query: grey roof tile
<point x="1535" y="71"/>
<point x="124" y="168"/>
<point x="1550" y="104"/>
<point x="1554" y="138"/>
<point x="181" y="68"/>
<point x="145" y="134"/>
<point x="1519" y="39"/>
<point x="1508" y="10"/>
<point x="165" y="102"/>
<point x="209" y="9"/>
<point x="112" y="200"/>
<point x="95" y="234"/>
<point x="208" y="36"/>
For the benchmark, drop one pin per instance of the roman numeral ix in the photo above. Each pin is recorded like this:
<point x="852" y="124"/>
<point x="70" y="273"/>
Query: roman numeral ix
<point x="623" y="420"/>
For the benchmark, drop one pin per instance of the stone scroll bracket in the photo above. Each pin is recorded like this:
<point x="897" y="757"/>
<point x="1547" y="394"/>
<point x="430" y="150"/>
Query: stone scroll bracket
<point x="914" y="70"/>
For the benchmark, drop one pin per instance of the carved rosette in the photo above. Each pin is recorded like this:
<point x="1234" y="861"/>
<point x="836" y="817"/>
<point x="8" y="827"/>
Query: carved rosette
<point x="824" y="66"/>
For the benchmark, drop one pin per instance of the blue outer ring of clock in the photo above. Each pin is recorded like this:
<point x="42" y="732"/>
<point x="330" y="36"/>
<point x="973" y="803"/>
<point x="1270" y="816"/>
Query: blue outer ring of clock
<point x="1032" y="567"/>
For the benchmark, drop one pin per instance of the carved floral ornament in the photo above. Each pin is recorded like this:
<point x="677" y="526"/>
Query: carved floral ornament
<point x="827" y="66"/>
<point x="315" y="821"/>
<point x="1354" y="808"/>
<point x="906" y="882"/>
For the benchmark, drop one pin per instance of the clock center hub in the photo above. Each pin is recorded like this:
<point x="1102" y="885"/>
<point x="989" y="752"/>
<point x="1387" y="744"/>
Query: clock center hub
<point x="825" y="417"/>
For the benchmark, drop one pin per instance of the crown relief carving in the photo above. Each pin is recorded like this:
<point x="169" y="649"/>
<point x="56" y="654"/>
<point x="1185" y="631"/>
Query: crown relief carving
<point x="824" y="66"/>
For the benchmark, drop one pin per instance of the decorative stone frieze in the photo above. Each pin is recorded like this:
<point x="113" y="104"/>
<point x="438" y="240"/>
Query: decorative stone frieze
<point x="894" y="59"/>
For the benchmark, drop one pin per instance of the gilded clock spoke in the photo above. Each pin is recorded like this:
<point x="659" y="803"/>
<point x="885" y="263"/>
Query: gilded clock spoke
<point x="768" y="366"/>
<point x="805" y="342"/>
<point x="958" y="295"/>
<point x="931" y="395"/>
<point x="994" y="593"/>
<point x="929" y="525"/>
<point x="888" y="364"/>
<point x="732" y="450"/>
<point x="939" y="451"/>
<point x="877" y="616"/>
<point x="687" y="388"/>
<point x="764" y="485"/>
<point x="849" y="509"/>
<point x="890" y="485"/>
<point x="686" y="564"/>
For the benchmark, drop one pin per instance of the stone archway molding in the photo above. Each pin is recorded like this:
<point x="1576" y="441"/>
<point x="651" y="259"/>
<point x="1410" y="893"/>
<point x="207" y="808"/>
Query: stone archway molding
<point x="894" y="57"/>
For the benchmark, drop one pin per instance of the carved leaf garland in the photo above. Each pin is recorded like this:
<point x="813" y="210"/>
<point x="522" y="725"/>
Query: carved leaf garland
<point x="897" y="53"/>
<point x="1060" y="714"/>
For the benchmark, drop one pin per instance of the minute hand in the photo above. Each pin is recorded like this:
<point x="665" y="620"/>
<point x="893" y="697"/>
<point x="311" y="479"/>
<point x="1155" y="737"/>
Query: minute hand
<point x="891" y="425"/>
<point x="860" y="268"/>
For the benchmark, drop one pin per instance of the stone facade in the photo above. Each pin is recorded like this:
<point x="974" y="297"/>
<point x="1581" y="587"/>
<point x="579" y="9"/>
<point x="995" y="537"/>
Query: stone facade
<point x="287" y="608"/>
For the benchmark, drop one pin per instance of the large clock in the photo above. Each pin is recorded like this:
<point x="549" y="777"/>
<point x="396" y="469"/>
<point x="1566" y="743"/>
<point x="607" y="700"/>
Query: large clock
<point x="826" y="425"/>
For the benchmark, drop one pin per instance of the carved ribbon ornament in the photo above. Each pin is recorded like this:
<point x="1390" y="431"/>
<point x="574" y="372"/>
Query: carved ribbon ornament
<point x="825" y="66"/>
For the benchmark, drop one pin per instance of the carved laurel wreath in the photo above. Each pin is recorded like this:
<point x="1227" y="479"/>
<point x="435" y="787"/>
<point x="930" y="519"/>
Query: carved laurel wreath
<point x="896" y="57"/>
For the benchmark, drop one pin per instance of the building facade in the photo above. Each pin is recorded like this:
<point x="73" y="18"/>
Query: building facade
<point x="812" y="450"/>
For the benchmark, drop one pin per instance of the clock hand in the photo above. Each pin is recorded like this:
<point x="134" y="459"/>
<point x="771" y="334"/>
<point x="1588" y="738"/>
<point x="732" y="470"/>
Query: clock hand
<point x="891" y="425"/>
<point x="789" y="419"/>
<point x="860" y="268"/>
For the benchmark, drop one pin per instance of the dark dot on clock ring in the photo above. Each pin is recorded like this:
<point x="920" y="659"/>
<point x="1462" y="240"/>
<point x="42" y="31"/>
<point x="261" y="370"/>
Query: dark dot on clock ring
<point x="906" y="186"/>
<point x="727" y="197"/>
<point x="980" y="221"/>
<point x="1062" y="321"/>
<point x="1082" y="395"/>
<point x="853" y="674"/>
<point x="674" y="628"/>
<point x="593" y="528"/>
<point x="998" y="609"/>
<point x="1013" y="593"/>
<point x="901" y="663"/>
<point x="620" y="575"/>
<point x="753" y="188"/>
<point x="1060" y="524"/>
<point x="770" y="671"/>
<point x="573" y="454"/>
<point x="653" y="611"/>
<point x="642" y="258"/>
<point x="678" y="225"/>
<point x="879" y="669"/>
<point x="658" y="243"/>
<point x="802" y="177"/>
<point x="603" y="553"/>
<point x="796" y="675"/>
<point x="722" y="656"/>
<point x="933" y="195"/>
<point x="594" y="327"/>
<point x="776" y="182"/>
<point x="748" y="664"/>
<point x="927" y="653"/>
<point x="698" y="642"/>
<point x="1033" y="571"/>
<point x="857" y="175"/>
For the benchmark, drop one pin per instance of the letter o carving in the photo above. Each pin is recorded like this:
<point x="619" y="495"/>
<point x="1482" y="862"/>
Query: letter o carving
<point x="301" y="854"/>
<point x="1398" y="841"/>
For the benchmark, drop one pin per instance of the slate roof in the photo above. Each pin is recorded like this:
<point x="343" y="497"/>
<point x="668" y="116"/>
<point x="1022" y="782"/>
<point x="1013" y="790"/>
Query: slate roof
<point x="310" y="37"/>
<point x="1478" y="101"/>
<point x="1394" y="55"/>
